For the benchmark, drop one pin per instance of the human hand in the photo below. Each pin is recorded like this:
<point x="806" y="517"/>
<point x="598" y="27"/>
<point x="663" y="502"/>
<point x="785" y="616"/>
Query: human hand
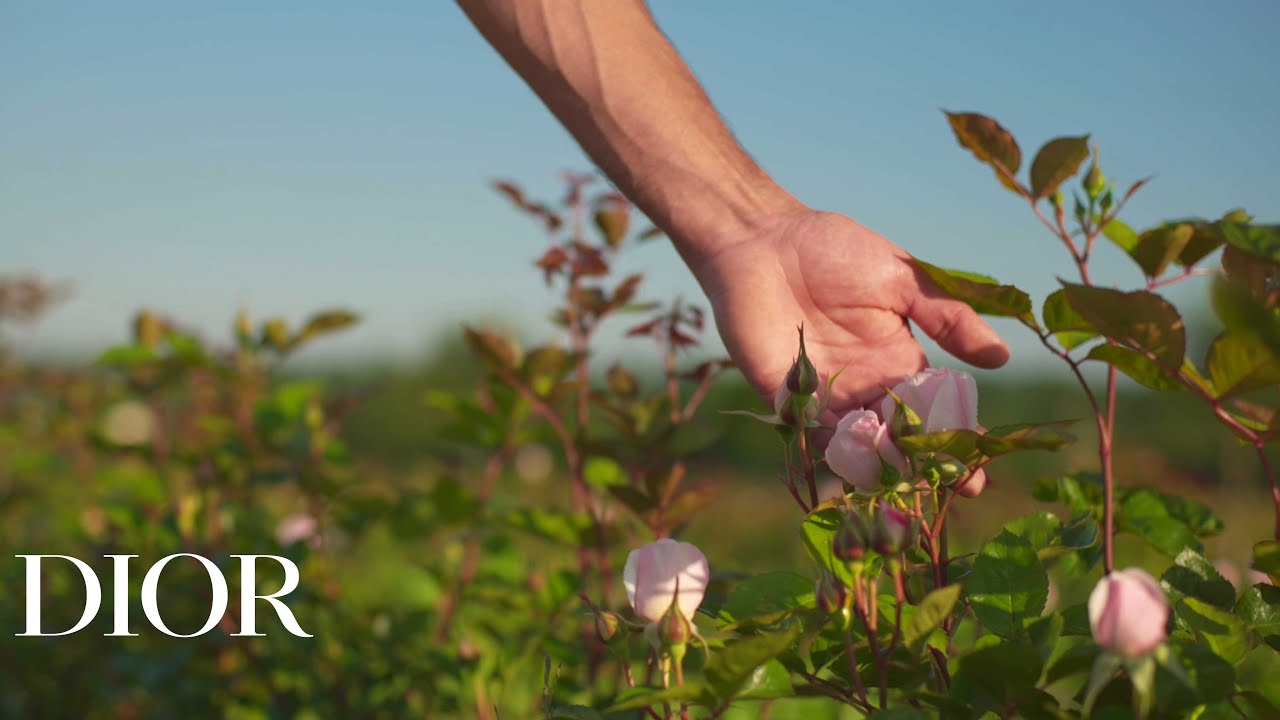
<point x="854" y="292"/>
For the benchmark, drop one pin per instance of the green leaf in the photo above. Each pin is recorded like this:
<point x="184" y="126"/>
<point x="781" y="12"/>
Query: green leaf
<point x="1122" y="235"/>
<point x="1243" y="314"/>
<point x="997" y="676"/>
<point x="601" y="472"/>
<point x="818" y="530"/>
<point x="640" y="697"/>
<point x="1081" y="491"/>
<point x="733" y="666"/>
<point x="769" y="593"/>
<point x="127" y="356"/>
<point x="1070" y="326"/>
<point x="1143" y="513"/>
<point x="1136" y="365"/>
<point x="983" y="294"/>
<point x="929" y="615"/>
<point x="323" y="323"/>
<point x="1205" y="238"/>
<point x="1193" y="576"/>
<point x="960" y="444"/>
<point x="899" y="713"/>
<point x="768" y="681"/>
<point x="1266" y="558"/>
<point x="1038" y="528"/>
<point x="574" y="712"/>
<point x="1007" y="585"/>
<point x="1239" y="362"/>
<point x="1160" y="246"/>
<point x="1005" y="439"/>
<point x="612" y="224"/>
<point x="1218" y="629"/>
<point x="989" y="142"/>
<point x="1258" y="240"/>
<point x="1057" y="161"/>
<point x="1141" y="320"/>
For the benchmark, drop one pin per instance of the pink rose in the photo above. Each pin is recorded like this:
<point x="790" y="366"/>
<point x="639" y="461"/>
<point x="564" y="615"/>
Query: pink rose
<point x="944" y="399"/>
<point x="653" y="571"/>
<point x="860" y="442"/>
<point x="296" y="528"/>
<point x="1128" y="613"/>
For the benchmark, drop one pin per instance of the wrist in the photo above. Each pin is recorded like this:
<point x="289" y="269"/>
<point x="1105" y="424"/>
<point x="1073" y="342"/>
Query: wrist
<point x="747" y="211"/>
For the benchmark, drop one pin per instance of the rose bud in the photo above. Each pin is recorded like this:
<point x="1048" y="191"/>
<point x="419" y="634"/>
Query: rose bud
<point x="802" y="379"/>
<point x="850" y="541"/>
<point x="1128" y="613"/>
<point x="944" y="399"/>
<point x="860" y="447"/>
<point x="606" y="625"/>
<point x="784" y="404"/>
<point x="652" y="573"/>
<point x="894" y="531"/>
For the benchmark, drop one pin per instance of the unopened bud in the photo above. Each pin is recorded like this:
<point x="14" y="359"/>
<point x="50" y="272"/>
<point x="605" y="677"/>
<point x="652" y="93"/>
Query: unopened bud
<point x="832" y="594"/>
<point x="1094" y="181"/>
<point x="802" y="379"/>
<point x="148" y="328"/>
<point x="275" y="332"/>
<point x="894" y="531"/>
<point x="606" y="626"/>
<point x="850" y="541"/>
<point x="674" y="629"/>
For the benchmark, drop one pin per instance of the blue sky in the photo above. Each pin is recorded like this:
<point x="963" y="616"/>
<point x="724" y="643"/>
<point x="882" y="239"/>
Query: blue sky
<point x="200" y="157"/>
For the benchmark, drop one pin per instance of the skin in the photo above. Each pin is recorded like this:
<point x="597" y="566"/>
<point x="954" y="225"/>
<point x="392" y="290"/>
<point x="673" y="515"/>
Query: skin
<point x="767" y="262"/>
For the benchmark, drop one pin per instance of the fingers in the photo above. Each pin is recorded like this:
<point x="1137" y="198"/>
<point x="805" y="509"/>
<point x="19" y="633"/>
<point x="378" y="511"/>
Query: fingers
<point x="956" y="327"/>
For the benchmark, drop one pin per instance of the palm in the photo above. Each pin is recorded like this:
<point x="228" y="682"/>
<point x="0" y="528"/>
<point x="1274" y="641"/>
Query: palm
<point x="852" y="290"/>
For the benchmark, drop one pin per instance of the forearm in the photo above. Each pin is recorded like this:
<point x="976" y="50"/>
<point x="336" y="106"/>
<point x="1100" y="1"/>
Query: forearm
<point x="613" y="80"/>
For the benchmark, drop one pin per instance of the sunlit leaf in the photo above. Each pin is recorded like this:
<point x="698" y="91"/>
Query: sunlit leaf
<point x="989" y="142"/>
<point x="1160" y="246"/>
<point x="1057" y="161"/>
<point x="983" y="294"/>
<point x="1007" y="585"/>
<point x="1239" y="362"/>
<point x="1142" y="320"/>
<point x="1136" y="366"/>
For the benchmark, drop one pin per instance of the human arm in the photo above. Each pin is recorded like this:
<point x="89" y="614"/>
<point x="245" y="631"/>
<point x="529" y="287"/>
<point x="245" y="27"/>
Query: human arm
<point x="766" y="261"/>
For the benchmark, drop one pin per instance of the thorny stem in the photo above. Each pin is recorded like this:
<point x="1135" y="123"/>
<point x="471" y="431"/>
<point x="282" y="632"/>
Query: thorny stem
<point x="1105" y="439"/>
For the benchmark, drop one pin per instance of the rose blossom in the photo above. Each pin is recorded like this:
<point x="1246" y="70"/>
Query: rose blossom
<point x="1128" y="613"/>
<point x="944" y="399"/>
<point x="653" y="571"/>
<point x="860" y="442"/>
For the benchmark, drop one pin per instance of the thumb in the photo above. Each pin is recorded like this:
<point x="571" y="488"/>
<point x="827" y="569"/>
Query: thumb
<point x="955" y="326"/>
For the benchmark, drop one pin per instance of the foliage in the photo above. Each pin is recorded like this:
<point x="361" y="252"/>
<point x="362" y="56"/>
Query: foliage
<point x="483" y="587"/>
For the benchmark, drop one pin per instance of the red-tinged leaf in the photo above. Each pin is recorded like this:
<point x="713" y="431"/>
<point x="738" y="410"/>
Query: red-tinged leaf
<point x="552" y="262"/>
<point x="1057" y="161"/>
<point x="1136" y="187"/>
<point x="647" y="328"/>
<point x="513" y="193"/>
<point x="626" y="290"/>
<point x="680" y="339"/>
<point x="707" y="369"/>
<point x="696" y="317"/>
<point x="588" y="262"/>
<point x="497" y="352"/>
<point x="990" y="143"/>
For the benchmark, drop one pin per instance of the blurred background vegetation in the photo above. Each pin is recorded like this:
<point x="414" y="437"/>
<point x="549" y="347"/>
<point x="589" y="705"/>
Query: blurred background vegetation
<point x="372" y="480"/>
